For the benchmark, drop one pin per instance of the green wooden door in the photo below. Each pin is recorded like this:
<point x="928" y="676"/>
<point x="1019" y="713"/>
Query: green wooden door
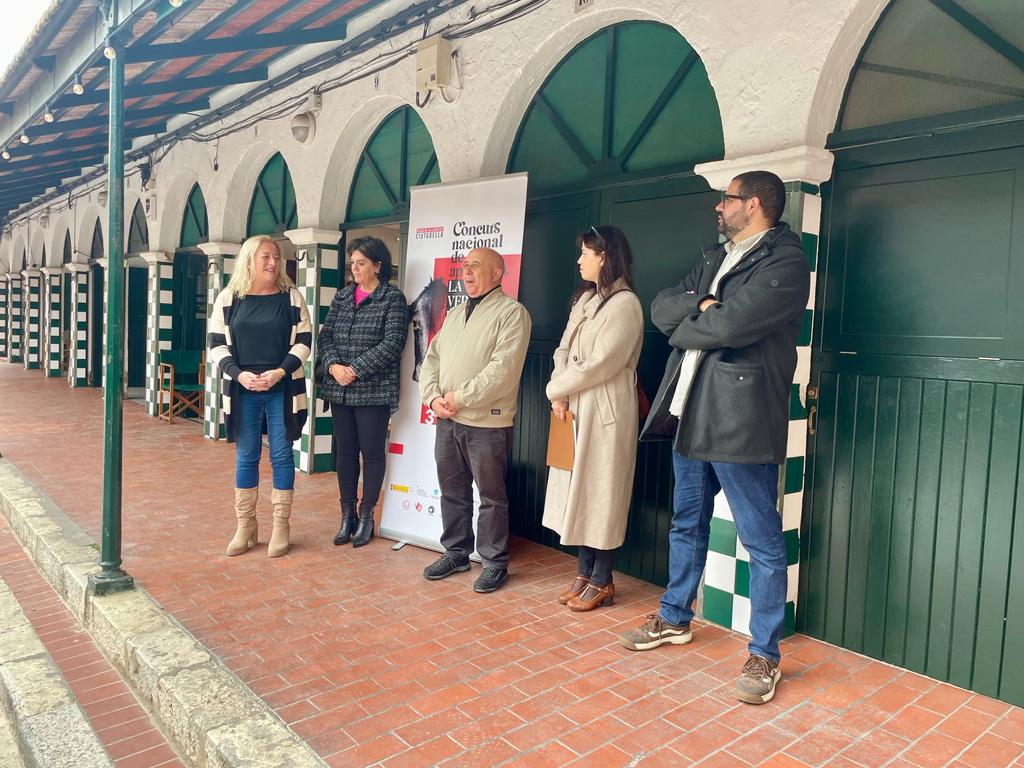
<point x="135" y="365"/>
<point x="913" y="536"/>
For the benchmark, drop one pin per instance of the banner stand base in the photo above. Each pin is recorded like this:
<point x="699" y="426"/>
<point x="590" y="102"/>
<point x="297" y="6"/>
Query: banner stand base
<point x="398" y="545"/>
<point x="401" y="541"/>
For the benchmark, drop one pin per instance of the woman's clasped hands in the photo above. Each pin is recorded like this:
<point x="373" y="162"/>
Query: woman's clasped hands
<point x="260" y="382"/>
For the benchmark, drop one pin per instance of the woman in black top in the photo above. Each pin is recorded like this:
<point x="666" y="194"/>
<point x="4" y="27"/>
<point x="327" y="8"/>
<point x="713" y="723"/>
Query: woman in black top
<point x="359" y="349"/>
<point x="259" y="339"/>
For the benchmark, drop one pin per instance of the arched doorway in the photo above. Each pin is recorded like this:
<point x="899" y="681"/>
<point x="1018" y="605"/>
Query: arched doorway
<point x="136" y="304"/>
<point x="96" y="307"/>
<point x="189" y="272"/>
<point x="913" y="526"/>
<point x="611" y="137"/>
<point x="272" y="209"/>
<point x="399" y="155"/>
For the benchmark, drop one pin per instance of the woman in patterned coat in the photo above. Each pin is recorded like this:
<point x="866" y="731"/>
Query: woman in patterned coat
<point x="259" y="339"/>
<point x="359" y="349"/>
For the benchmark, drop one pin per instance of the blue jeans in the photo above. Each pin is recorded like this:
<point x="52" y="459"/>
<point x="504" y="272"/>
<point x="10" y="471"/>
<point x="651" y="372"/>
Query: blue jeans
<point x="252" y="407"/>
<point x="752" y="493"/>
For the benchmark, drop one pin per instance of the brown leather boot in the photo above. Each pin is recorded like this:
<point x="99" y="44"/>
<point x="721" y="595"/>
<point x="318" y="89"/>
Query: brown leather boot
<point x="245" y="514"/>
<point x="282" y="501"/>
<point x="593" y="596"/>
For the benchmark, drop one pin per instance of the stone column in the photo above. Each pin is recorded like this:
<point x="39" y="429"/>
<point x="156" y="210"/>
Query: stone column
<point x="726" y="595"/>
<point x="33" y="305"/>
<point x="159" y="317"/>
<point x="318" y="274"/>
<point x="78" y="353"/>
<point x="51" y="298"/>
<point x="4" y="318"/>
<point x="15" y="318"/>
<point x="220" y="259"/>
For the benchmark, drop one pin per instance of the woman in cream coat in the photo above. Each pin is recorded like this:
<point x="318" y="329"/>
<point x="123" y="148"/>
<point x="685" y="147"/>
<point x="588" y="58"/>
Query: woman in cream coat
<point x="595" y="379"/>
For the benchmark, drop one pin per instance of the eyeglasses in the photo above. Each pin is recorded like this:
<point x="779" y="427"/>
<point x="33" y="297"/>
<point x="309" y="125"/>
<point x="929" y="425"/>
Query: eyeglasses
<point x="727" y="197"/>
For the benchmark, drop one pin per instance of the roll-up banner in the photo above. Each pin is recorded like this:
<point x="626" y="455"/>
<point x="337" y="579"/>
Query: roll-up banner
<point x="446" y="221"/>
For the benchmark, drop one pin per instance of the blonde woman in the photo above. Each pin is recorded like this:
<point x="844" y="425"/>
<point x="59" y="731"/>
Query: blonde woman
<point x="260" y="337"/>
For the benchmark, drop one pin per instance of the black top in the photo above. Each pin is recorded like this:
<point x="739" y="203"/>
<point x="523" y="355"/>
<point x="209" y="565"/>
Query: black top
<point x="260" y="331"/>
<point x="472" y="302"/>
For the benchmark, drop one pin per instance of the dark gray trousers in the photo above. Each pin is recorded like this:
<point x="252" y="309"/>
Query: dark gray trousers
<point x="465" y="455"/>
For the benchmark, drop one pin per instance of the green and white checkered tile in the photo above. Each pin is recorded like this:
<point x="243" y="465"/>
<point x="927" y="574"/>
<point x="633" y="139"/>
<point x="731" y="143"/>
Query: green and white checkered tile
<point x="3" y="317"/>
<point x="159" y="319"/>
<point x="78" y="354"/>
<point x="317" y="281"/>
<point x="33" y="304"/>
<point x="726" y="596"/>
<point x="51" y="322"/>
<point x="218" y="273"/>
<point x="15" y="319"/>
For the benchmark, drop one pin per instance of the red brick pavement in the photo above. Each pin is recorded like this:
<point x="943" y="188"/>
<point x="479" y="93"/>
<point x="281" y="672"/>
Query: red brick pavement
<point x="375" y="667"/>
<point x="121" y="724"/>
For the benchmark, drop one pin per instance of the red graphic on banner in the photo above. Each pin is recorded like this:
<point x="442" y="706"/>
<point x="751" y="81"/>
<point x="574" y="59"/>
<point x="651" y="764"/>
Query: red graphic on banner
<point x="427" y="415"/>
<point x="396" y="448"/>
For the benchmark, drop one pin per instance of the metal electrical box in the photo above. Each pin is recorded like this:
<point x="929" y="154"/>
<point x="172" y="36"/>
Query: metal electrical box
<point x="433" y="62"/>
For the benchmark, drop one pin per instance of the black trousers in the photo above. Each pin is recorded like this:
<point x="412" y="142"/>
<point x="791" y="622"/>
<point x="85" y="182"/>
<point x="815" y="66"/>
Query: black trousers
<point x="360" y="429"/>
<point x="465" y="455"/>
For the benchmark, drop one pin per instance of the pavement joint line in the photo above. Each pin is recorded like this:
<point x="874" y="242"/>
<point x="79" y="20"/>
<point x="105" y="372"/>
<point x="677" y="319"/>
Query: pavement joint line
<point x="49" y="728"/>
<point x="209" y="714"/>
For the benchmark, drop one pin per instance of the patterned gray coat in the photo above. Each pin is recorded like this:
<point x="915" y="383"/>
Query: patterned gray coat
<point x="370" y="338"/>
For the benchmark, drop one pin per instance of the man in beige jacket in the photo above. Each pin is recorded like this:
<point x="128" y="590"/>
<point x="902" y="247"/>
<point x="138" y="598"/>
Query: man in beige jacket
<point x="470" y="380"/>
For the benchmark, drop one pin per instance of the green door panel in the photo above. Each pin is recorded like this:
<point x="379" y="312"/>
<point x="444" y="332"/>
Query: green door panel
<point x="188" y="291"/>
<point x="135" y="365"/>
<point x="194" y="223"/>
<point x="912" y="541"/>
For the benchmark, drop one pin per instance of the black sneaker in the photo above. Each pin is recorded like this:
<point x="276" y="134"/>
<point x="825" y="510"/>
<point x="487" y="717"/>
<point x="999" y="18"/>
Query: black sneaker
<point x="445" y="565"/>
<point x="654" y="632"/>
<point x="490" y="579"/>
<point x="756" y="684"/>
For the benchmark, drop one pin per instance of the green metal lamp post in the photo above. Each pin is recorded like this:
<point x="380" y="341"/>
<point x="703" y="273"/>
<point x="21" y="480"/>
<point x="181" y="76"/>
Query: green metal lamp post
<point x="112" y="578"/>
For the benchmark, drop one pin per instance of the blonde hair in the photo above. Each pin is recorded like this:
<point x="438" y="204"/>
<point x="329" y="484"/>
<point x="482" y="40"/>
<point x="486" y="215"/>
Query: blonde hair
<point x="241" y="277"/>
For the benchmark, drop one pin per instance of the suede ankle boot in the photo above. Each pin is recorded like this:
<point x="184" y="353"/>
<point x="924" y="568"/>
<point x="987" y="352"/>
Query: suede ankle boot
<point x="348" y="523"/>
<point x="365" y="530"/>
<point x="282" y="501"/>
<point x="245" y="514"/>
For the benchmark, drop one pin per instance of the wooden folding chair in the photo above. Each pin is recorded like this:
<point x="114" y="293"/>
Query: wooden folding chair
<point x="180" y="380"/>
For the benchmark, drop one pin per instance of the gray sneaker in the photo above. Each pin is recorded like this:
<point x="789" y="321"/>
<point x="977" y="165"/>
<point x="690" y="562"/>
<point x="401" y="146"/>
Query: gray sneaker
<point x="655" y="631"/>
<point x="756" y="684"/>
<point x="490" y="579"/>
<point x="445" y="565"/>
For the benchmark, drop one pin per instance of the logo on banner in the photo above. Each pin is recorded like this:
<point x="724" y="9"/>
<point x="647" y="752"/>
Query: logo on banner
<point x="429" y="233"/>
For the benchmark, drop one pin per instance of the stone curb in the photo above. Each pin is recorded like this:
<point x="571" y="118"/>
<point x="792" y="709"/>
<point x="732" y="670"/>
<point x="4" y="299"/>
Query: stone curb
<point x="50" y="729"/>
<point x="212" y="717"/>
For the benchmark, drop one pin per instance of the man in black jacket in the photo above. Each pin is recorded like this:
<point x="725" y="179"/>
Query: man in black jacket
<point x="724" y="401"/>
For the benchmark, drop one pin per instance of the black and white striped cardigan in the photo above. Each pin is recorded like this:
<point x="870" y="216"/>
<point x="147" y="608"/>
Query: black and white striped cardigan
<point x="222" y="355"/>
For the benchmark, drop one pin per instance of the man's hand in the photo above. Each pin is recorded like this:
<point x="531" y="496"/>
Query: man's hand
<point x="560" y="408"/>
<point x="439" y="406"/>
<point x="451" y="402"/>
<point x="706" y="303"/>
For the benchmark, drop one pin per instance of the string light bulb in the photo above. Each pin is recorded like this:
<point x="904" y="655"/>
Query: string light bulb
<point x="5" y="154"/>
<point x="25" y="139"/>
<point x="176" y="3"/>
<point x="108" y="50"/>
<point x="77" y="86"/>
<point x="48" y="115"/>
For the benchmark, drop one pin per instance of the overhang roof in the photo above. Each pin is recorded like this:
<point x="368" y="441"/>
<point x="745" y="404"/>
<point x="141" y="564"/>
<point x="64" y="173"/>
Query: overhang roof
<point x="176" y="59"/>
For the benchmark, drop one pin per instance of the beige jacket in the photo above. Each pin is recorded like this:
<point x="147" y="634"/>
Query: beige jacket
<point x="590" y="505"/>
<point x="480" y="360"/>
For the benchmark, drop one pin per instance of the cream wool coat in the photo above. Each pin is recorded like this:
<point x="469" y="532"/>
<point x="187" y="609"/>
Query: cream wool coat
<point x="589" y="505"/>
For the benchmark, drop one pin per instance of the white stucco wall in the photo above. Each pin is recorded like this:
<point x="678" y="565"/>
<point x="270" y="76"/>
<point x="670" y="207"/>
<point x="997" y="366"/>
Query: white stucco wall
<point x="779" y="77"/>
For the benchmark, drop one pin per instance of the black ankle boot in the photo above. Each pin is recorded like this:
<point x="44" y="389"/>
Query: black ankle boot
<point x="365" y="530"/>
<point x="348" y="523"/>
